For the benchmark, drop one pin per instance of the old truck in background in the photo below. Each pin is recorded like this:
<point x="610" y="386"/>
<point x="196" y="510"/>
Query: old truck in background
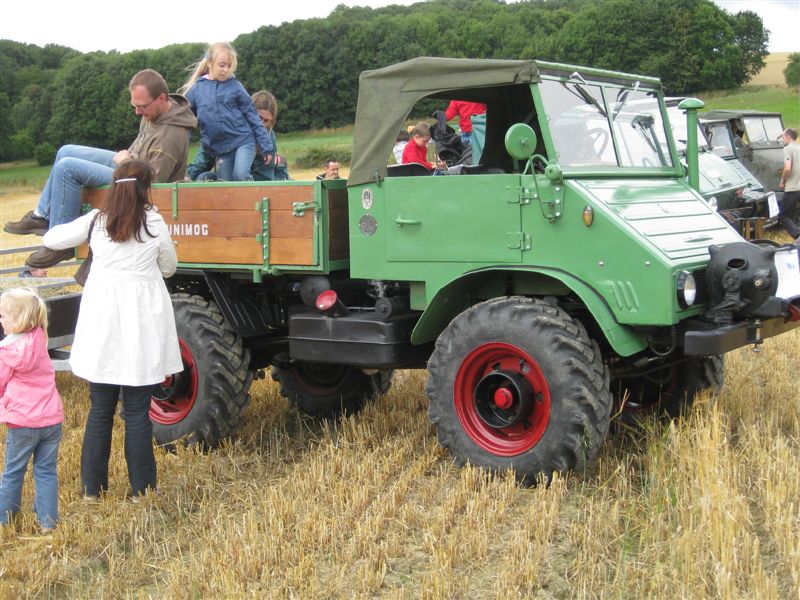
<point x="573" y="272"/>
<point x="755" y="140"/>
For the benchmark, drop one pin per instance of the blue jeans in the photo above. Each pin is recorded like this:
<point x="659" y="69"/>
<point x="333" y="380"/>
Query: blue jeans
<point x="235" y="165"/>
<point x="138" y="437"/>
<point x="75" y="166"/>
<point x="42" y="444"/>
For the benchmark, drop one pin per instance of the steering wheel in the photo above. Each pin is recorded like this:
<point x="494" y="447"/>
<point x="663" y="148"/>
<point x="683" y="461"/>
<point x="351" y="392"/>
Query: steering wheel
<point x="598" y="134"/>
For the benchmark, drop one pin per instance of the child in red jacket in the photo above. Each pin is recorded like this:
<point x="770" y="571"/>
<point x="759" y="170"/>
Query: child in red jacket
<point x="30" y="406"/>
<point x="416" y="150"/>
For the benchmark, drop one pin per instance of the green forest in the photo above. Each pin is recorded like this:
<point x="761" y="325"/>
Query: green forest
<point x="55" y="95"/>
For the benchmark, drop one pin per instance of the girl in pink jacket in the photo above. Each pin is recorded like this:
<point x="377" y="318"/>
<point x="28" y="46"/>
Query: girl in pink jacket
<point x="30" y="406"/>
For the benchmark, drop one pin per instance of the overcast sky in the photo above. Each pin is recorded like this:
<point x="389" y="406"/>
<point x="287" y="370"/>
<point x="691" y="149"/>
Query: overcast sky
<point x="88" y="25"/>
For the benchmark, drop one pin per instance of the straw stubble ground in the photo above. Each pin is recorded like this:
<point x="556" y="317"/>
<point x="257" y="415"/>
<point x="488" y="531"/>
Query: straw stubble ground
<point x="371" y="507"/>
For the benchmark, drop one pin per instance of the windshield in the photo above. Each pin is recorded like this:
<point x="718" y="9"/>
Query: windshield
<point x="677" y="120"/>
<point x="720" y="138"/>
<point x="763" y="129"/>
<point x="588" y="119"/>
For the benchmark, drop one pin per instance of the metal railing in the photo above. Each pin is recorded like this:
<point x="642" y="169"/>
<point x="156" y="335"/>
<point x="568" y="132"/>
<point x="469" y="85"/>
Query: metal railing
<point x="63" y="309"/>
<point x="51" y="282"/>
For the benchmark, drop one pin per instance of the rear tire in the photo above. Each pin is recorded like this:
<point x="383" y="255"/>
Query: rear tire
<point x="516" y="383"/>
<point x="327" y="391"/>
<point x="205" y="402"/>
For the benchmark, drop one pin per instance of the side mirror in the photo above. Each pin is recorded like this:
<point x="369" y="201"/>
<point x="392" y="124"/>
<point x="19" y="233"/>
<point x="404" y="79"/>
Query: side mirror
<point x="521" y="141"/>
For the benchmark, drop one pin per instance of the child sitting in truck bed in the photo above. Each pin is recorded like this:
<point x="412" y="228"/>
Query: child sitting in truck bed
<point x="229" y="123"/>
<point x="277" y="170"/>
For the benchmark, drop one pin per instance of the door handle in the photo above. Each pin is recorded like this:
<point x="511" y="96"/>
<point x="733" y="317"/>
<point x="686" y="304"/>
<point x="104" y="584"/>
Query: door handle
<point x="401" y="221"/>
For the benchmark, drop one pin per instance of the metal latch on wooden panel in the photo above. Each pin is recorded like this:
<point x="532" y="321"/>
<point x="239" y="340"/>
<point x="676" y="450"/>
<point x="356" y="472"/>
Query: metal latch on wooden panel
<point x="175" y="202"/>
<point x="299" y="208"/>
<point x="518" y="240"/>
<point x="263" y="238"/>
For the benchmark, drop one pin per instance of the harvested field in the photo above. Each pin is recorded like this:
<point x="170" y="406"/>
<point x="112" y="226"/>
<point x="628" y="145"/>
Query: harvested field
<point x="371" y="507"/>
<point x="772" y="73"/>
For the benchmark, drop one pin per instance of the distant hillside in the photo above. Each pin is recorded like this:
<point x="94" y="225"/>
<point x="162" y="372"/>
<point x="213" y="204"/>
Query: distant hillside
<point x="772" y="73"/>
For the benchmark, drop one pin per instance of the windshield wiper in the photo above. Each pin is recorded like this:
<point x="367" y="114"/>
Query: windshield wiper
<point x="644" y="123"/>
<point x="585" y="94"/>
<point x="622" y="99"/>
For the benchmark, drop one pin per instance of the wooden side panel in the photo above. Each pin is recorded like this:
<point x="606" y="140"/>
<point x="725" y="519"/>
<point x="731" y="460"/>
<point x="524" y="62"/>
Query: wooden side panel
<point x="291" y="238"/>
<point x="218" y="224"/>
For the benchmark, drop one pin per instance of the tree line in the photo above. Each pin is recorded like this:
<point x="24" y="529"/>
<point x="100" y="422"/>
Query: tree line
<point x="55" y="95"/>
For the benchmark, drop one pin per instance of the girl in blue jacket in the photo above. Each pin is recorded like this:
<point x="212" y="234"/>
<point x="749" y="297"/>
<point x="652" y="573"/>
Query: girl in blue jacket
<point x="229" y="123"/>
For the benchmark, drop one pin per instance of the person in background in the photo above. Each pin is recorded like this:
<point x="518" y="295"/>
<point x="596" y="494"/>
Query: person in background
<point x="125" y="339"/>
<point x="30" y="406"/>
<point x="331" y="170"/>
<point x="229" y="123"/>
<point x="163" y="142"/>
<point x="277" y="170"/>
<point x="464" y="111"/>
<point x="790" y="183"/>
<point x="399" y="145"/>
<point x="416" y="150"/>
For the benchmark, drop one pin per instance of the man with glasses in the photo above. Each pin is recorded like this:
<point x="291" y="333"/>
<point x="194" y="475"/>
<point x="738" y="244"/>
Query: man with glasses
<point x="163" y="141"/>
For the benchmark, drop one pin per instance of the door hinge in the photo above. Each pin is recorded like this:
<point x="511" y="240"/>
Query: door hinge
<point x="518" y="240"/>
<point x="527" y="195"/>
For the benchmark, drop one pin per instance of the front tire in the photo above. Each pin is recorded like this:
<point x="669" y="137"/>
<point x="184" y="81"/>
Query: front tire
<point x="205" y="402"/>
<point x="327" y="391"/>
<point x="516" y="383"/>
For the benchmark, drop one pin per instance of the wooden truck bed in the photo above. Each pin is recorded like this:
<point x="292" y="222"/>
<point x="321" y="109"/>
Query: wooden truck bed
<point x="261" y="226"/>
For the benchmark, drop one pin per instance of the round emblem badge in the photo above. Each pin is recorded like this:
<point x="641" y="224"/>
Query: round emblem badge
<point x="366" y="199"/>
<point x="367" y="225"/>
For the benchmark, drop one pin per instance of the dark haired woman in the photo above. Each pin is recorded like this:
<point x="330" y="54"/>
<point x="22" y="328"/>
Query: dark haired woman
<point x="125" y="339"/>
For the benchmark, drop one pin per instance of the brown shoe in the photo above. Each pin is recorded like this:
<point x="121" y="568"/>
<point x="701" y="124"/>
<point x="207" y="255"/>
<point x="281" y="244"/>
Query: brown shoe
<point x="45" y="257"/>
<point x="30" y="223"/>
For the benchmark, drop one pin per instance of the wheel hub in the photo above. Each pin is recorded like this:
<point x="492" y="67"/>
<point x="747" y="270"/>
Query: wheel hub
<point x="503" y="398"/>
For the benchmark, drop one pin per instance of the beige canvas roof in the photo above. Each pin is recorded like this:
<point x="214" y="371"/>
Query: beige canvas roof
<point x="386" y="97"/>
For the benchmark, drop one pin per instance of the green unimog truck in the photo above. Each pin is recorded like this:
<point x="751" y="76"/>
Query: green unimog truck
<point x="572" y="273"/>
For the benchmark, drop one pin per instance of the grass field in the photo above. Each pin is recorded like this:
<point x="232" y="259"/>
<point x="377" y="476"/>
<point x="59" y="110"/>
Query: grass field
<point x="371" y="507"/>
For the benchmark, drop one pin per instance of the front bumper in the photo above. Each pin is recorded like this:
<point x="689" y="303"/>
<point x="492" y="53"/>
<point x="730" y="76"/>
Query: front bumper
<point x="703" y="339"/>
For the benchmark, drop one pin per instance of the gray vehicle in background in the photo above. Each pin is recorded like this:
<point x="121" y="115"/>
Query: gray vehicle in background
<point x="754" y="137"/>
<point x="735" y="193"/>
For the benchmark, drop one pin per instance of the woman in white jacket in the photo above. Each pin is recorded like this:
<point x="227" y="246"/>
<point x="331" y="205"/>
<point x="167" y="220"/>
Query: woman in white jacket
<point x="125" y="339"/>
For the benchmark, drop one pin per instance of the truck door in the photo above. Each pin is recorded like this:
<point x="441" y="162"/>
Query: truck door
<point x="454" y="218"/>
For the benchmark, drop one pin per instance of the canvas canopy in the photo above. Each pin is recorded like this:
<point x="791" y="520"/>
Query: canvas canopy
<point x="725" y="115"/>
<point x="386" y="97"/>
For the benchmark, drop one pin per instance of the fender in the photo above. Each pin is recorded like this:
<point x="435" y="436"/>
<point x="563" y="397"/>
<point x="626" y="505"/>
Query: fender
<point x="494" y="282"/>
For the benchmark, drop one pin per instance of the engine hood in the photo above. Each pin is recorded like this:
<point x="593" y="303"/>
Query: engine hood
<point x="665" y="212"/>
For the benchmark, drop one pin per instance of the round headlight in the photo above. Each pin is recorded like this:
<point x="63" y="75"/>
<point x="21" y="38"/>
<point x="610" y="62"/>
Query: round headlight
<point x="687" y="289"/>
<point x="712" y="202"/>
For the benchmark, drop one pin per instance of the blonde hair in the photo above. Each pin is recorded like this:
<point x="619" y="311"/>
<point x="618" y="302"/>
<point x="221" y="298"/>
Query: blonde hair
<point x="24" y="309"/>
<point x="201" y="67"/>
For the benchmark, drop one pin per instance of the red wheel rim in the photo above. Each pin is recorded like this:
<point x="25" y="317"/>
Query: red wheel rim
<point x="177" y="393"/>
<point x="497" y="357"/>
